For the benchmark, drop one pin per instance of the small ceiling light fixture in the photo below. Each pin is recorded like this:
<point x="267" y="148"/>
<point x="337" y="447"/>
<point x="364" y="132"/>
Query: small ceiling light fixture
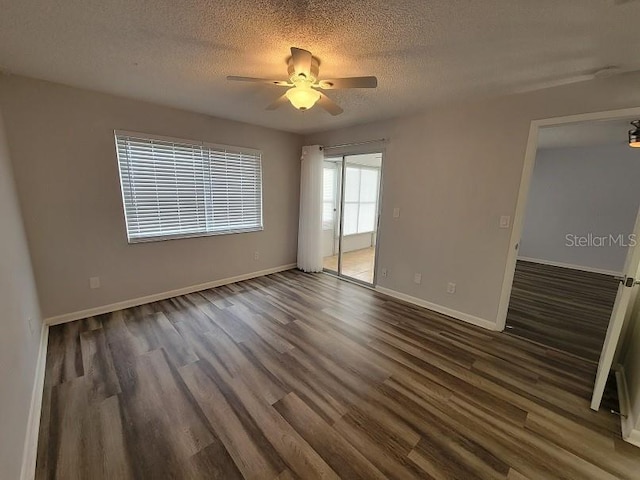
<point x="634" y="134"/>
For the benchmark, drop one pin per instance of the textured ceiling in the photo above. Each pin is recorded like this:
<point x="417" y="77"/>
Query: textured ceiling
<point x="588" y="134"/>
<point x="423" y="52"/>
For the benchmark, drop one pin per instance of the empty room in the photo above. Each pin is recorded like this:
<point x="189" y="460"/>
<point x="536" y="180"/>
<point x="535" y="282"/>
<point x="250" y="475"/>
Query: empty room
<point x="311" y="239"/>
<point x="578" y="230"/>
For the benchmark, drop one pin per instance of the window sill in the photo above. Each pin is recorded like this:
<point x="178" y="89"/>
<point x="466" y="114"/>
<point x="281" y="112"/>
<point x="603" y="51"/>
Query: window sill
<point x="164" y="238"/>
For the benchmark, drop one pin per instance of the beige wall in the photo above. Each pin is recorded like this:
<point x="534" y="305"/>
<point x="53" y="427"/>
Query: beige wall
<point x="19" y="340"/>
<point x="453" y="171"/>
<point x="62" y="146"/>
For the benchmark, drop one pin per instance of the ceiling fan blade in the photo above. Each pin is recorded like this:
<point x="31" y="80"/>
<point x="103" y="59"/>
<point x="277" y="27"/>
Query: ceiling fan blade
<point x="557" y="82"/>
<point x="351" y="82"/>
<point x="329" y="105"/>
<point x="280" y="83"/>
<point x="301" y="61"/>
<point x="278" y="103"/>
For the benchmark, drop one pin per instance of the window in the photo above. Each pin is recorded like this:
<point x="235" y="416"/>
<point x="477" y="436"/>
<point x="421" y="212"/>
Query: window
<point x="329" y="187"/>
<point x="178" y="188"/>
<point x="360" y="200"/>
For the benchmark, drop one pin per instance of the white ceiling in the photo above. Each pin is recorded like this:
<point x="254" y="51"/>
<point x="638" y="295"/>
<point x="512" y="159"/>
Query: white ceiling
<point x="589" y="134"/>
<point x="423" y="52"/>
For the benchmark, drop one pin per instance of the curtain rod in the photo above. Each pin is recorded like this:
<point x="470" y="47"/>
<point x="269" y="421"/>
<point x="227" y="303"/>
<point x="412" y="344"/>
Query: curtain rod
<point x="380" y="140"/>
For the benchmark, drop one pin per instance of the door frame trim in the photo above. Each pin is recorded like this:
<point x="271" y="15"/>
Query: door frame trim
<point x="523" y="193"/>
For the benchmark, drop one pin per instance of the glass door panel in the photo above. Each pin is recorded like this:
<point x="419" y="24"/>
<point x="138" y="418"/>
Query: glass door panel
<point x="331" y="194"/>
<point x="360" y="219"/>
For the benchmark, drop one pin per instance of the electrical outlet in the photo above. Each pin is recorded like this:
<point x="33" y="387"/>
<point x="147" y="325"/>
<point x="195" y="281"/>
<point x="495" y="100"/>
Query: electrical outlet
<point x="451" y="287"/>
<point x="505" y="221"/>
<point x="384" y="272"/>
<point x="94" y="282"/>
<point x="256" y="255"/>
<point x="396" y="212"/>
<point x="417" y="278"/>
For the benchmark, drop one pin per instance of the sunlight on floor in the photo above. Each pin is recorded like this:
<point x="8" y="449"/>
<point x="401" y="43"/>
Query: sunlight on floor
<point x="358" y="264"/>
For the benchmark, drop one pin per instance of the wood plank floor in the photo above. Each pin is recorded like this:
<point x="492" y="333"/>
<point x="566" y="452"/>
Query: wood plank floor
<point x="303" y="376"/>
<point x="561" y="307"/>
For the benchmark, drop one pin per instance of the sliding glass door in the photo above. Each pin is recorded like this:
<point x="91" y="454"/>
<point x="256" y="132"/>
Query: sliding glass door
<point x="350" y="215"/>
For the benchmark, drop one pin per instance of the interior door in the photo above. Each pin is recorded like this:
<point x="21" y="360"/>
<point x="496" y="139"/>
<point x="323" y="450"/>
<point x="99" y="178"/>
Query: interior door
<point x="621" y="311"/>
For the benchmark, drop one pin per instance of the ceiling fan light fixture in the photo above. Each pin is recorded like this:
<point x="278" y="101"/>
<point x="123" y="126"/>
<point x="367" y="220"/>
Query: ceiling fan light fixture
<point x="303" y="97"/>
<point x="634" y="134"/>
<point x="303" y="70"/>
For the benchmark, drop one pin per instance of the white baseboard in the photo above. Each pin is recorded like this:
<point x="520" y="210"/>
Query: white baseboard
<point x="633" y="438"/>
<point x="628" y="422"/>
<point x="134" y="302"/>
<point x="465" y="317"/>
<point x="30" y="451"/>
<point x="572" y="267"/>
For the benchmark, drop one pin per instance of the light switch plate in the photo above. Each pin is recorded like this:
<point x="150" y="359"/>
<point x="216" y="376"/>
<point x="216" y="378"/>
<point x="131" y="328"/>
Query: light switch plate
<point x="396" y="212"/>
<point x="505" y="221"/>
<point x="94" y="282"/>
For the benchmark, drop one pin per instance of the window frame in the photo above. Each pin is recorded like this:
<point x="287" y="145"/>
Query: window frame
<point x="194" y="143"/>
<point x="360" y="202"/>
<point x="331" y="225"/>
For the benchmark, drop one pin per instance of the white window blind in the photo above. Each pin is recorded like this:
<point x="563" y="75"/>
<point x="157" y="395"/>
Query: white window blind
<point x="175" y="188"/>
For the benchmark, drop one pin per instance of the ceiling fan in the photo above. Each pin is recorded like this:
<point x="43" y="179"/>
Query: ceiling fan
<point x="303" y="69"/>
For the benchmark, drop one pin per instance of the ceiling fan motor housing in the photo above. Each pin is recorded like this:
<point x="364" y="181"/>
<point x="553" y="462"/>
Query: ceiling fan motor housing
<point x="314" y="71"/>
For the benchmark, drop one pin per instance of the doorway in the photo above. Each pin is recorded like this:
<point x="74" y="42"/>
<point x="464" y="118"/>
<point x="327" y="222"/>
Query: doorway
<point x="622" y="288"/>
<point x="350" y="214"/>
<point x="581" y="209"/>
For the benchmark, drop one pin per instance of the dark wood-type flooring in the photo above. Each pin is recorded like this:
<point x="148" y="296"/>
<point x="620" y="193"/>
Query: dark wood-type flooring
<point x="562" y="308"/>
<point x="304" y="376"/>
